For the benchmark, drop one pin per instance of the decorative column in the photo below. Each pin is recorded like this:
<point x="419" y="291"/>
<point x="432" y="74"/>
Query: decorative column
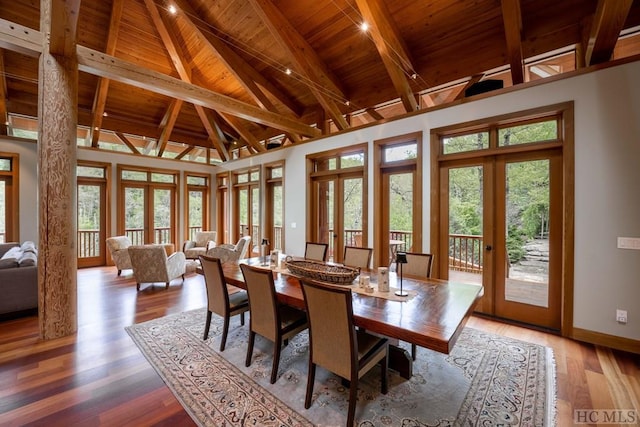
<point x="57" y="128"/>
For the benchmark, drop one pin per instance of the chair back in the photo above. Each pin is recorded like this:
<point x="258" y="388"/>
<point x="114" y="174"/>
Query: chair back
<point x="202" y="238"/>
<point x="264" y="319"/>
<point x="316" y="251"/>
<point x="418" y="265"/>
<point x="217" y="292"/>
<point x="243" y="246"/>
<point x="149" y="263"/>
<point x="357" y="257"/>
<point x="117" y="243"/>
<point x="331" y="330"/>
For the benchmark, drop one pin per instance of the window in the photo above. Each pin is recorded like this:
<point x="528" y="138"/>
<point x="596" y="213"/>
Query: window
<point x="197" y="204"/>
<point x="274" y="230"/>
<point x="222" y="197"/>
<point x="9" y="227"/>
<point x="337" y="213"/>
<point x="147" y="204"/>
<point x="246" y="207"/>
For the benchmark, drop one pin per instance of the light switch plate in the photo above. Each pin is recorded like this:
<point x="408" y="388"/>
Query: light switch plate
<point x="629" y="243"/>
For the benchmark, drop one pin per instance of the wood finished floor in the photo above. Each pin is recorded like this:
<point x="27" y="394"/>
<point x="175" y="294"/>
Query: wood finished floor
<point x="98" y="377"/>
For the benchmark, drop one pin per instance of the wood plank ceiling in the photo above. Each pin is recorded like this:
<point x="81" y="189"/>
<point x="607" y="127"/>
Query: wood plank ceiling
<point x="226" y="74"/>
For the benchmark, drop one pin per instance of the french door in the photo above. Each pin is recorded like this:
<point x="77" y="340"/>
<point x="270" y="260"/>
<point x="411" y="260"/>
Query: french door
<point x="149" y="213"/>
<point x="246" y="207"/>
<point x="91" y="223"/>
<point x="501" y="225"/>
<point x="338" y="212"/>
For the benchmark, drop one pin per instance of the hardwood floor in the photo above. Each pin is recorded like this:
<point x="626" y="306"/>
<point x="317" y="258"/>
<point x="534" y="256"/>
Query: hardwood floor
<point x="99" y="377"/>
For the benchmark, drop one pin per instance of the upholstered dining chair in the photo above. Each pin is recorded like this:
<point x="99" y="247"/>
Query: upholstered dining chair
<point x="231" y="253"/>
<point x="336" y="344"/>
<point x="418" y="265"/>
<point x="151" y="264"/>
<point x="118" y="249"/>
<point x="204" y="240"/>
<point x="219" y="300"/>
<point x="316" y="251"/>
<point x="274" y="321"/>
<point x="357" y="257"/>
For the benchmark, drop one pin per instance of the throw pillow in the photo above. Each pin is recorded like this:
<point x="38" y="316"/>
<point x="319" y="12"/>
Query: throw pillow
<point x="15" y="253"/>
<point x="28" y="259"/>
<point x="28" y="246"/>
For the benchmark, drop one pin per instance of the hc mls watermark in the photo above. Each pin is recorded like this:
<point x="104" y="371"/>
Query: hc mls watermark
<point x="606" y="416"/>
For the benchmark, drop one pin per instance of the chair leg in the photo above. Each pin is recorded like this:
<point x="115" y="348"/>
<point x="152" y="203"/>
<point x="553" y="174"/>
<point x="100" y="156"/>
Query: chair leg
<point x="207" y="325"/>
<point x="119" y="273"/>
<point x="166" y="286"/>
<point x="225" y="331"/>
<point x="276" y="361"/>
<point x="137" y="286"/>
<point x="252" y="337"/>
<point x="413" y="351"/>
<point x="353" y="396"/>
<point x="242" y="318"/>
<point x="384" y="387"/>
<point x="311" y="377"/>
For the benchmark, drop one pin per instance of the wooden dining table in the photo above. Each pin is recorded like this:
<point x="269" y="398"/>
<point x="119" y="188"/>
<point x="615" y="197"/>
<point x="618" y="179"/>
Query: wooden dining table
<point x="432" y="318"/>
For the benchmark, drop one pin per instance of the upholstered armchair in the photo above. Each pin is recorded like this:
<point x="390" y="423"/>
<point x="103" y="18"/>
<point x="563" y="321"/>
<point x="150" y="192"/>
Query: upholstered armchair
<point x="204" y="240"/>
<point x="151" y="264"/>
<point x="231" y="253"/>
<point x="118" y="248"/>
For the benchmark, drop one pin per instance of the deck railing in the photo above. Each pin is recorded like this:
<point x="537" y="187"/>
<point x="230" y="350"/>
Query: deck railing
<point x="465" y="253"/>
<point x="160" y="234"/>
<point x="88" y="243"/>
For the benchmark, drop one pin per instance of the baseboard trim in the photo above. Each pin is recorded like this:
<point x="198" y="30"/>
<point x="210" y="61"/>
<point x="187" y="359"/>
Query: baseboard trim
<point x="598" y="338"/>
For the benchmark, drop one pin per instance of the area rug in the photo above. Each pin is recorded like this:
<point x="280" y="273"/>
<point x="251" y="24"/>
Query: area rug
<point x="486" y="380"/>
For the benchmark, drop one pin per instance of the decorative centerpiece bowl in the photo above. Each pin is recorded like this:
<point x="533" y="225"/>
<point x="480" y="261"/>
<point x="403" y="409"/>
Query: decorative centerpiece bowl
<point x="332" y="273"/>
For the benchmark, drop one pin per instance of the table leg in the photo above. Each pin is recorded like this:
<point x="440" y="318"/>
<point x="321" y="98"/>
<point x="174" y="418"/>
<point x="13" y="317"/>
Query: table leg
<point x="400" y="361"/>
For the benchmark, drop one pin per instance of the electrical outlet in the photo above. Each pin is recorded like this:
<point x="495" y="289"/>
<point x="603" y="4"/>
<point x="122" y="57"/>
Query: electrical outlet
<point x="621" y="316"/>
<point x="629" y="243"/>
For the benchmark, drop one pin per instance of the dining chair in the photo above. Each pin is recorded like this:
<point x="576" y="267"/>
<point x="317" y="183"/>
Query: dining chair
<point x="418" y="265"/>
<point x="274" y="321"/>
<point x="316" y="251"/>
<point x="357" y="257"/>
<point x="336" y="344"/>
<point x="219" y="300"/>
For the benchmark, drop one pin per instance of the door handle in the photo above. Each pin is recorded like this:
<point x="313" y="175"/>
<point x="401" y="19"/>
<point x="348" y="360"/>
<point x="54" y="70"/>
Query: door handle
<point x="488" y="247"/>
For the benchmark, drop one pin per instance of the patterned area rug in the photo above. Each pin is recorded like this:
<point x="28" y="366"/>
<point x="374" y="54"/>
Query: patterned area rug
<point x="486" y="380"/>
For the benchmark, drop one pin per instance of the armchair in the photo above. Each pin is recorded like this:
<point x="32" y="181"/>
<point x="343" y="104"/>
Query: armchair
<point x="151" y="264"/>
<point x="204" y="240"/>
<point x="231" y="253"/>
<point x="118" y="246"/>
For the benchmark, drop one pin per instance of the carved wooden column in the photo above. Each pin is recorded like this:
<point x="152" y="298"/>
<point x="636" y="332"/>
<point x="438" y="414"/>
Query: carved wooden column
<point x="57" y="128"/>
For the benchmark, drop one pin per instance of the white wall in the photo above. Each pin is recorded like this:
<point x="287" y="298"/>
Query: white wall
<point x="607" y="169"/>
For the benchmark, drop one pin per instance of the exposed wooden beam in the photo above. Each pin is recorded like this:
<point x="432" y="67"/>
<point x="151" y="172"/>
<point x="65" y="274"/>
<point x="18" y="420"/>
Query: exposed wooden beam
<point x="247" y="136"/>
<point x="607" y="23"/>
<point x="306" y="60"/>
<point x="374" y="114"/>
<point x="391" y="48"/>
<point x="214" y="131"/>
<point x="248" y="76"/>
<point x="100" y="98"/>
<point x="4" y="112"/>
<point x="186" y="151"/>
<point x="64" y="23"/>
<point x="19" y="38"/>
<point x="167" y="124"/>
<point x="100" y="64"/>
<point x="512" y="19"/>
<point x="473" y="80"/>
<point x="128" y="143"/>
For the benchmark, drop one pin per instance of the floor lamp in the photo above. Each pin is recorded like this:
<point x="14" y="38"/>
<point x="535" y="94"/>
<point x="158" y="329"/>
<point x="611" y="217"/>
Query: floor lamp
<point x="401" y="258"/>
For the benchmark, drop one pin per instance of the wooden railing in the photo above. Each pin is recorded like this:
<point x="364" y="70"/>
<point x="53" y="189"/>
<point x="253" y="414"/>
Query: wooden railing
<point x="160" y="234"/>
<point x="88" y="243"/>
<point x="192" y="232"/>
<point x="465" y="253"/>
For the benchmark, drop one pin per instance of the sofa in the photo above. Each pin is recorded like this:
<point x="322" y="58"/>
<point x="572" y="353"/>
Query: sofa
<point x="18" y="279"/>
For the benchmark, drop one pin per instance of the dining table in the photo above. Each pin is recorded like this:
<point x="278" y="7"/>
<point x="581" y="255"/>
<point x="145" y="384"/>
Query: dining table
<point x="431" y="317"/>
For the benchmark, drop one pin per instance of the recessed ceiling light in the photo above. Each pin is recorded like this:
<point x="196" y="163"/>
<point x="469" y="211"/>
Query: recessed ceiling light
<point x="364" y="26"/>
<point x="105" y="114"/>
<point x="287" y="71"/>
<point x="172" y="9"/>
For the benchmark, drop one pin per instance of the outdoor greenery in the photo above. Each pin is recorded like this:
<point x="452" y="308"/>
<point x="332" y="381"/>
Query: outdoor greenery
<point x="527" y="188"/>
